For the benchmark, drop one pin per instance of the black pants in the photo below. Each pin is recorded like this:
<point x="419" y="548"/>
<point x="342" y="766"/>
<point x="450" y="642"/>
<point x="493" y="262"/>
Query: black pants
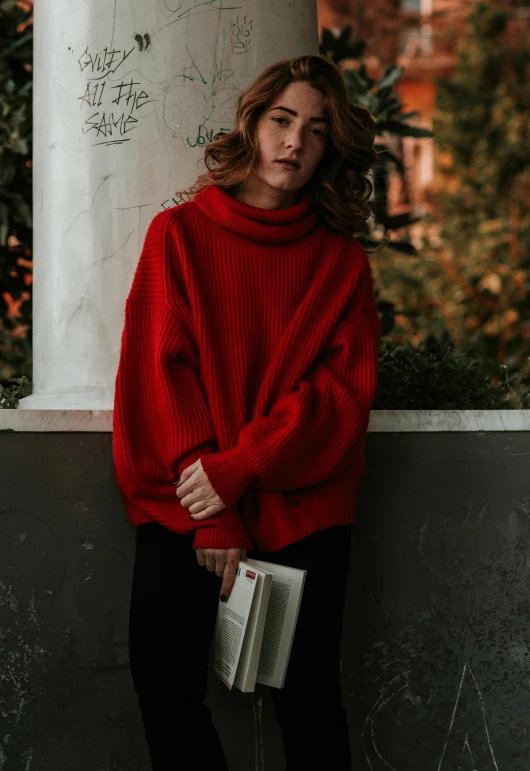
<point x="172" y="617"/>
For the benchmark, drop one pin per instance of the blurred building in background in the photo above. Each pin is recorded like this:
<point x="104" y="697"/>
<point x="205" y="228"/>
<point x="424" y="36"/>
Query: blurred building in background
<point x="422" y="37"/>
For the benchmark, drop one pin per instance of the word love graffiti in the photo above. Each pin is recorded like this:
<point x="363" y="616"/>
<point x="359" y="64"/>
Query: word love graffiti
<point x="110" y="125"/>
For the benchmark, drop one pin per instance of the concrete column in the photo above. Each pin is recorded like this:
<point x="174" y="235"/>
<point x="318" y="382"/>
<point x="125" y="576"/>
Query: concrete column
<point x="127" y="93"/>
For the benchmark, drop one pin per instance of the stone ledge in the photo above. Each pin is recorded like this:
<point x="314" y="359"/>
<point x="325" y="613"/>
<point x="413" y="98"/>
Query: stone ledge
<point x="381" y="421"/>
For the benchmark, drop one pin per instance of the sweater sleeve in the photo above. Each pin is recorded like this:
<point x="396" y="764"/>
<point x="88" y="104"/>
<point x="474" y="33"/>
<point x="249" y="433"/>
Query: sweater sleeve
<point x="161" y="418"/>
<point x="318" y="429"/>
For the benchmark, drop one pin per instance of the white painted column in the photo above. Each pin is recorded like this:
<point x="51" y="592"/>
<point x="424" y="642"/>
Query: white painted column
<point x="127" y="93"/>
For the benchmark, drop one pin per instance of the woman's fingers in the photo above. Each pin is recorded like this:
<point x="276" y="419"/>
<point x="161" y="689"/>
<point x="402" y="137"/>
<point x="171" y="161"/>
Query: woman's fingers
<point x="220" y="562"/>
<point x="192" y="497"/>
<point x="224" y="563"/>
<point x="202" y="506"/>
<point x="197" y="494"/>
<point x="215" y="560"/>
<point x="210" y="511"/>
<point x="198" y="506"/>
<point x="229" y="573"/>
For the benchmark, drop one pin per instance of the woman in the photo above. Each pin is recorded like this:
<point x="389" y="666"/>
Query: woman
<point x="247" y="371"/>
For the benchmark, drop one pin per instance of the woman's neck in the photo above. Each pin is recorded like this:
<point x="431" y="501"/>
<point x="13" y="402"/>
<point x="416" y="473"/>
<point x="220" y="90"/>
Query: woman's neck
<point x="255" y="192"/>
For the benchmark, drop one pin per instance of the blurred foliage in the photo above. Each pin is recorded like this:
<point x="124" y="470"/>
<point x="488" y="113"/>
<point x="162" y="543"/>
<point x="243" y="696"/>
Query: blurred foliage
<point x="435" y="375"/>
<point x="473" y="275"/>
<point x="384" y="105"/>
<point x="16" y="56"/>
<point x="462" y="274"/>
<point x="482" y="129"/>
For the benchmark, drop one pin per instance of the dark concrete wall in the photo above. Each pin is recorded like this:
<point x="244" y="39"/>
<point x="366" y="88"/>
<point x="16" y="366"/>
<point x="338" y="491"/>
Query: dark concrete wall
<point x="436" y="654"/>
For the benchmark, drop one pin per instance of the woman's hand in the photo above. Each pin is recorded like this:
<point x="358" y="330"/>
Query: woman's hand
<point x="197" y="494"/>
<point x="224" y="563"/>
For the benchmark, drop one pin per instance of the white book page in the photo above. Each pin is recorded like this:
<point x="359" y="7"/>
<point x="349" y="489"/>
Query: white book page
<point x="280" y="622"/>
<point x="245" y="678"/>
<point x="231" y="623"/>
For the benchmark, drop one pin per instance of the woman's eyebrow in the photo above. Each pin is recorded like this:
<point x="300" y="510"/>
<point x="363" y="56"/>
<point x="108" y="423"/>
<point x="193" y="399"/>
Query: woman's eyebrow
<point x="293" y="112"/>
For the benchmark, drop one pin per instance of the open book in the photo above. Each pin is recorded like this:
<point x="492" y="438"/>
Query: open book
<point x="255" y="627"/>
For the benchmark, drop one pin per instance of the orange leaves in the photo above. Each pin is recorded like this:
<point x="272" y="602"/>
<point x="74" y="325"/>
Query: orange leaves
<point x="13" y="306"/>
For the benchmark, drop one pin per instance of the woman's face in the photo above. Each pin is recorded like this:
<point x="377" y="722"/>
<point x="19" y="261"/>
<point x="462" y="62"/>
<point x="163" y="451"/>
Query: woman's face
<point x="294" y="126"/>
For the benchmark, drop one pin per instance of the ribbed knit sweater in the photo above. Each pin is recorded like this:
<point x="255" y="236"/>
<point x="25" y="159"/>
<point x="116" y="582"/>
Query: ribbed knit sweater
<point x="251" y="342"/>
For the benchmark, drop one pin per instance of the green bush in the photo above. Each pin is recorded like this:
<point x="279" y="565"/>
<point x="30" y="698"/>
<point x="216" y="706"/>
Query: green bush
<point x="437" y="376"/>
<point x="13" y="389"/>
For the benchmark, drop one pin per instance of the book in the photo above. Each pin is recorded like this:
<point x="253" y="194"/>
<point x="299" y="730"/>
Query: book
<point x="255" y="627"/>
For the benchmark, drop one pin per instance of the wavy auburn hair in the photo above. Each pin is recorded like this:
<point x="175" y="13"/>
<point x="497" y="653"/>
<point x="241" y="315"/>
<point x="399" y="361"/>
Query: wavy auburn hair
<point x="340" y="185"/>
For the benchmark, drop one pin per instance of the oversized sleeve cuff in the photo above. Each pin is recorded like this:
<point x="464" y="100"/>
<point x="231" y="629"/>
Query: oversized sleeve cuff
<point x="223" y="531"/>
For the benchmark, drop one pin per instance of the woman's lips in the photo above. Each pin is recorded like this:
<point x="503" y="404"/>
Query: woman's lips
<point x="287" y="165"/>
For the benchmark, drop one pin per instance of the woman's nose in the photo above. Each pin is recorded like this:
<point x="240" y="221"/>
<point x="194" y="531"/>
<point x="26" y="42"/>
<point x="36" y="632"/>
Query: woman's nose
<point x="294" y="139"/>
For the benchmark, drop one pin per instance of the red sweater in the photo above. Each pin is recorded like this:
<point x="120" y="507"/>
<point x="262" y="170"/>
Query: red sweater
<point x="250" y="341"/>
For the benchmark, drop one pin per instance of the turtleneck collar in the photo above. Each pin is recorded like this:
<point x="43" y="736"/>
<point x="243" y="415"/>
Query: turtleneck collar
<point x="253" y="222"/>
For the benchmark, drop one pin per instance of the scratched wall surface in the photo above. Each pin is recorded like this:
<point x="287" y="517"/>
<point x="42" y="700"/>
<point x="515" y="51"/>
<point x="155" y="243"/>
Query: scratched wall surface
<point x="437" y="640"/>
<point x="127" y="95"/>
<point x="436" y="646"/>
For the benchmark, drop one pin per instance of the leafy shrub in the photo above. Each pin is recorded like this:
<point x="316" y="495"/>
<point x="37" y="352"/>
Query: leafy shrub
<point x="436" y="376"/>
<point x="15" y="388"/>
<point x="16" y="265"/>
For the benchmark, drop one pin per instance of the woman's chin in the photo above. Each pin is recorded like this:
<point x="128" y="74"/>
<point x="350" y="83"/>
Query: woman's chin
<point x="286" y="185"/>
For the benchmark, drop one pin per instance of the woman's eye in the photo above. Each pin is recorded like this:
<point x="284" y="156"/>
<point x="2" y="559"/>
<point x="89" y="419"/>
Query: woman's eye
<point x="283" y="121"/>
